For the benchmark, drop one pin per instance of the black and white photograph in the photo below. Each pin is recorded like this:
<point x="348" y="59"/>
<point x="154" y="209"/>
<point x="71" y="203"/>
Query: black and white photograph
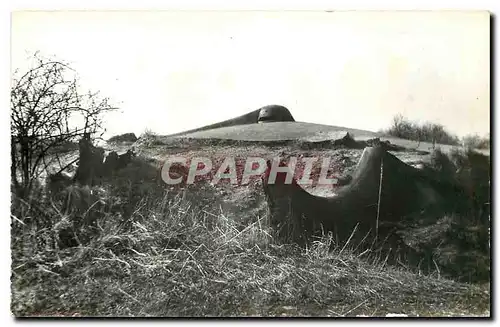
<point x="250" y="164"/>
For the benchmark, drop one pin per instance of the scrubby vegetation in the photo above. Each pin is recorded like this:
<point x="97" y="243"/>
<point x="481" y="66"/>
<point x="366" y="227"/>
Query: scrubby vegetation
<point x="476" y="142"/>
<point x="427" y="132"/>
<point x="129" y="247"/>
<point x="127" y="137"/>
<point x="433" y="133"/>
<point x="149" y="138"/>
<point x="460" y="243"/>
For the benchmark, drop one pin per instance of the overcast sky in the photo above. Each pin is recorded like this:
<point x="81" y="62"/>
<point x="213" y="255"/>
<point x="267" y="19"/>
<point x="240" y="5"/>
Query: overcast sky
<point x="173" y="71"/>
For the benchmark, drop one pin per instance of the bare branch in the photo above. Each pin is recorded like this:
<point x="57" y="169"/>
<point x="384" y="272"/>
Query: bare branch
<point x="47" y="110"/>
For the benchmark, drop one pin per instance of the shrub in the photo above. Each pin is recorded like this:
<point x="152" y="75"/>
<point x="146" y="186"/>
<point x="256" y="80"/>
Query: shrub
<point x="148" y="133"/>
<point x="127" y="137"/>
<point x="426" y="132"/>
<point x="476" y="142"/>
<point x="150" y="138"/>
<point x="469" y="171"/>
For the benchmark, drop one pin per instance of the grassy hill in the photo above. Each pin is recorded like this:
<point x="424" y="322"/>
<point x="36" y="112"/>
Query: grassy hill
<point x="300" y="131"/>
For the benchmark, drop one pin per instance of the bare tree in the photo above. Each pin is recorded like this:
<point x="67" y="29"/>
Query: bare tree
<point x="397" y="124"/>
<point x="47" y="112"/>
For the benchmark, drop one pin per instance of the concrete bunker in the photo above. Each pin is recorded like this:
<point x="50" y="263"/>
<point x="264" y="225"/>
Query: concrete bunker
<point x="274" y="113"/>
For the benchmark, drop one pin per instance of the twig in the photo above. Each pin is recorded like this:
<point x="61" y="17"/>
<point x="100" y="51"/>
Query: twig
<point x="239" y="233"/>
<point x="114" y="259"/>
<point x="17" y="219"/>
<point x="361" y="242"/>
<point x="130" y="296"/>
<point x="437" y="268"/>
<point x="354" y="308"/>
<point x="40" y="267"/>
<point x="136" y="252"/>
<point x="352" y="234"/>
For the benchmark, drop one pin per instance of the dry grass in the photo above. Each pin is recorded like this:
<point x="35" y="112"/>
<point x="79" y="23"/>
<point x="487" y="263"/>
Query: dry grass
<point x="174" y="260"/>
<point x="141" y="251"/>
